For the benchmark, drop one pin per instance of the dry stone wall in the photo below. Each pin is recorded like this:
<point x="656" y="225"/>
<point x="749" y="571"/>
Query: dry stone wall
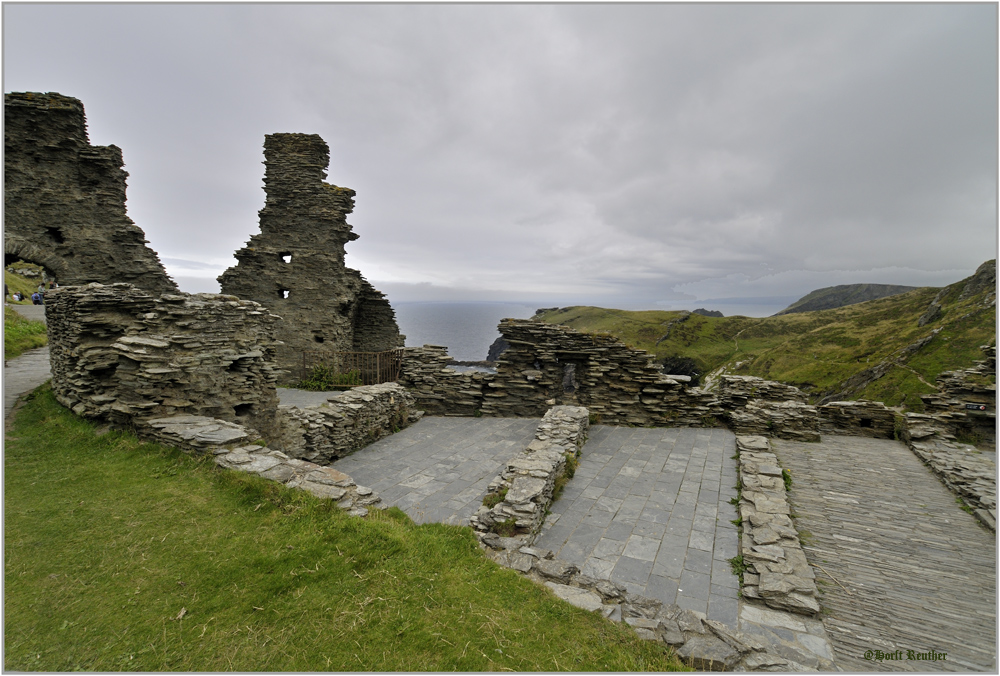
<point x="295" y="265"/>
<point x="777" y="572"/>
<point x="64" y="199"/>
<point x="121" y="354"/>
<point x="354" y="419"/>
<point x="527" y="482"/>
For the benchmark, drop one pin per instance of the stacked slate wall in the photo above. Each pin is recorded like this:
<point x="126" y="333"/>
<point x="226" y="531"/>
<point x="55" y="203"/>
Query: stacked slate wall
<point x="549" y="365"/>
<point x="64" y="199"/>
<point x="120" y="353"/>
<point x="295" y="265"/>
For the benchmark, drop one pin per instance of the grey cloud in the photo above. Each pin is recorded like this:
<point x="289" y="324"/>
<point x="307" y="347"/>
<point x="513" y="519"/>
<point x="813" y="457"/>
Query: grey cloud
<point x="634" y="151"/>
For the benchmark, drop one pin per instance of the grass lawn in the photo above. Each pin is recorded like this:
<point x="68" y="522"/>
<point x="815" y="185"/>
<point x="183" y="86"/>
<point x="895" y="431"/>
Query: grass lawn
<point x="121" y="555"/>
<point x="21" y="334"/>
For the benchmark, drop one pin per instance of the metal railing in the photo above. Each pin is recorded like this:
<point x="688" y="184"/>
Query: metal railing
<point x="356" y="368"/>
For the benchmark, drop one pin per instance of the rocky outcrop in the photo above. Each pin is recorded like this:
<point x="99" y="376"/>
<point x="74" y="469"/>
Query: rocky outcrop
<point x="64" y="199"/>
<point x="497" y="348"/>
<point x="121" y="354"/>
<point x="707" y="313"/>
<point x="777" y="572"/>
<point x="295" y="265"/>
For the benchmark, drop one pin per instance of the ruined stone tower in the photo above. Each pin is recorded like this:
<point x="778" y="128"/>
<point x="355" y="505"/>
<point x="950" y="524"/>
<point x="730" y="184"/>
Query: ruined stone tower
<point x="64" y="199"/>
<point x="295" y="266"/>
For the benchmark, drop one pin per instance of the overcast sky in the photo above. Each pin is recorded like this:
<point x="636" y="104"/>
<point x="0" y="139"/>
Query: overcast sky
<point x="640" y="155"/>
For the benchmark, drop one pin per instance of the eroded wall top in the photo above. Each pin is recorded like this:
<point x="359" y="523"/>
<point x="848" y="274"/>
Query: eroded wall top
<point x="295" y="265"/>
<point x="64" y="199"/>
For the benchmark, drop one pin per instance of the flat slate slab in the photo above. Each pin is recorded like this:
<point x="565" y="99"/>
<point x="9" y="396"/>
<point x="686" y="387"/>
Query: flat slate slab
<point x="899" y="566"/>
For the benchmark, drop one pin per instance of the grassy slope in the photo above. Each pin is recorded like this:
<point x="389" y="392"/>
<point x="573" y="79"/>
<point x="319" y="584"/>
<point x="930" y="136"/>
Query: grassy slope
<point x="107" y="540"/>
<point x="844" y="294"/>
<point x="21" y="334"/>
<point x="816" y="351"/>
<point x="22" y="284"/>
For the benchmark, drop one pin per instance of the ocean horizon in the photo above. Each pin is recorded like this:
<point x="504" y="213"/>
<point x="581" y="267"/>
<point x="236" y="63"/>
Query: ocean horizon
<point x="467" y="329"/>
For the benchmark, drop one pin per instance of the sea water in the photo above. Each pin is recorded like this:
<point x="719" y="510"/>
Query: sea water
<point x="466" y="329"/>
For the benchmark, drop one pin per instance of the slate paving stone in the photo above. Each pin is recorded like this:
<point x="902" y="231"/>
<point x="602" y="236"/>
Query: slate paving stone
<point x="920" y="574"/>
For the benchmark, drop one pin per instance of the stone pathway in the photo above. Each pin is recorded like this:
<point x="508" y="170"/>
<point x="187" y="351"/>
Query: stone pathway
<point x="437" y="470"/>
<point x="649" y="509"/>
<point x="919" y="573"/>
<point x="23" y="374"/>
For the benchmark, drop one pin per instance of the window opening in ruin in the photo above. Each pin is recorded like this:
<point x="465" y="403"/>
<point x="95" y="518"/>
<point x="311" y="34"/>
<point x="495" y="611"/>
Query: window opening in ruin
<point x="234" y="366"/>
<point x="319" y="339"/>
<point x="55" y="234"/>
<point x="287" y="257"/>
<point x="569" y="378"/>
<point x="865" y="422"/>
<point x="243" y="410"/>
<point x="282" y="293"/>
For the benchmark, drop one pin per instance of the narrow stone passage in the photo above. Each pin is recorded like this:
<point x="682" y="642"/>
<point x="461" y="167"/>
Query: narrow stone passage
<point x="899" y="565"/>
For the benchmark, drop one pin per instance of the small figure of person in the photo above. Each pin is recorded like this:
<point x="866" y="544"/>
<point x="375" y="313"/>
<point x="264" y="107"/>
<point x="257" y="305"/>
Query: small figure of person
<point x="36" y="298"/>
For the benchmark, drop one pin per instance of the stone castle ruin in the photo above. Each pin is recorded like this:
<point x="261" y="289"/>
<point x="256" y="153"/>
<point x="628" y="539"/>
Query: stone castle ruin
<point x="64" y="199"/>
<point x="295" y="266"/>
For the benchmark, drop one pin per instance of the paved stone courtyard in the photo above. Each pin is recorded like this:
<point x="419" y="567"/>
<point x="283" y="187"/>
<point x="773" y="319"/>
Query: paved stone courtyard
<point x="649" y="509"/>
<point x="437" y="470"/>
<point x="898" y="564"/>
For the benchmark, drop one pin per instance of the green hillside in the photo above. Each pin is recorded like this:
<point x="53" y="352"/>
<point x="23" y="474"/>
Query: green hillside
<point x="832" y="297"/>
<point x="821" y="351"/>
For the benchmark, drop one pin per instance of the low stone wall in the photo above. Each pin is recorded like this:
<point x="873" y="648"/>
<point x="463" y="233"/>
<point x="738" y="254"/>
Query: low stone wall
<point x="549" y="365"/>
<point x="703" y="644"/>
<point x="528" y="480"/>
<point x="783" y="419"/>
<point x="966" y="472"/>
<point x="437" y="389"/>
<point x="965" y="404"/>
<point x="231" y="446"/>
<point x="860" y="418"/>
<point x="356" y="418"/>
<point x="737" y="391"/>
<point x="777" y="572"/>
<point x="121" y="354"/>
<point x="323" y="482"/>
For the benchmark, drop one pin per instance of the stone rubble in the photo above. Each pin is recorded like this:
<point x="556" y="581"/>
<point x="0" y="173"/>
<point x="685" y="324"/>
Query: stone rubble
<point x="701" y="643"/>
<point x="777" y="572"/>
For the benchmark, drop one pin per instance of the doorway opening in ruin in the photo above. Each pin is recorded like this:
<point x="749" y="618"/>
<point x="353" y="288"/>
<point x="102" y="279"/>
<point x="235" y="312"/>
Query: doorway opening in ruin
<point x="25" y="277"/>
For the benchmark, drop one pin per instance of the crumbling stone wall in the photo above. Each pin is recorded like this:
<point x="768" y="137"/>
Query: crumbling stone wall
<point x="64" y="199"/>
<point x="295" y="265"/>
<point x="548" y="365"/>
<point x="351" y="421"/>
<point x="121" y="354"/>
